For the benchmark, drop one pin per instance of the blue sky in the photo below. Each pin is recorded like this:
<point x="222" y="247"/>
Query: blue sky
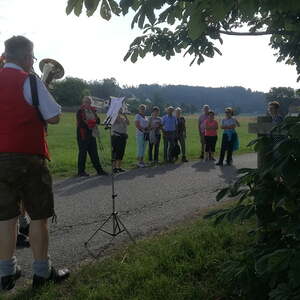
<point x="92" y="48"/>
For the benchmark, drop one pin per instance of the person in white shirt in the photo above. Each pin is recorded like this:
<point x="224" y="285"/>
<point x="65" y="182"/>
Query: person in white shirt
<point x="23" y="154"/>
<point x="141" y="125"/>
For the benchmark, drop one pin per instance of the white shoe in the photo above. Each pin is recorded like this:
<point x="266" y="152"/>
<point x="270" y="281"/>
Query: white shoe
<point x="141" y="165"/>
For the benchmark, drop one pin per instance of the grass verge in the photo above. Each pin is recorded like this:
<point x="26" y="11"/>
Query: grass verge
<point x="184" y="263"/>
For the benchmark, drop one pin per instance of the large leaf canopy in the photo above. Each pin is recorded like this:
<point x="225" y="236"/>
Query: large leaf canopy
<point x="195" y="27"/>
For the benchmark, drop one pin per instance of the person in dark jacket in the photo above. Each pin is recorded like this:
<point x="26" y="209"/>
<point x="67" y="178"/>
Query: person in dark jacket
<point x="87" y="132"/>
<point x="181" y="133"/>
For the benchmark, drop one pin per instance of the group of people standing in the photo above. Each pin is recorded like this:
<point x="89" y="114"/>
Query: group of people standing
<point x="150" y="130"/>
<point x="208" y="131"/>
<point x="171" y="128"/>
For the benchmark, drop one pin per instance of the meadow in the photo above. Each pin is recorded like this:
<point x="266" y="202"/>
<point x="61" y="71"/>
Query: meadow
<point x="64" y="150"/>
<point x="185" y="263"/>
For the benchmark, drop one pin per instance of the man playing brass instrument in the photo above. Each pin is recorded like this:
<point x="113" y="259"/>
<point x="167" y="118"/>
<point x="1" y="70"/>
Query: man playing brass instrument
<point x="23" y="169"/>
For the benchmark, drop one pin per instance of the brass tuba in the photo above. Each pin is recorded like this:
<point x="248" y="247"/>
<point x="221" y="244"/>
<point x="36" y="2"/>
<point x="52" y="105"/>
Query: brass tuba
<point x="51" y="69"/>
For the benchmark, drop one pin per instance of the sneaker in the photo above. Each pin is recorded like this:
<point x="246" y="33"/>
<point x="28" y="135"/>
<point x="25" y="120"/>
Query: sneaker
<point x="184" y="159"/>
<point x="102" y="173"/>
<point x="141" y="165"/>
<point x="219" y="164"/>
<point x="9" y="282"/>
<point x="120" y="170"/>
<point x="115" y="170"/>
<point x="229" y="163"/>
<point x="83" y="174"/>
<point x="55" y="277"/>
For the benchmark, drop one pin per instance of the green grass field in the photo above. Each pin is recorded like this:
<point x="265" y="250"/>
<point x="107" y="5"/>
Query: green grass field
<point x="64" y="151"/>
<point x="181" y="264"/>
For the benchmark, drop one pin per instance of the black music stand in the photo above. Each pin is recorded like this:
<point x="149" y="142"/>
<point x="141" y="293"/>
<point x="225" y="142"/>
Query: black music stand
<point x="117" y="225"/>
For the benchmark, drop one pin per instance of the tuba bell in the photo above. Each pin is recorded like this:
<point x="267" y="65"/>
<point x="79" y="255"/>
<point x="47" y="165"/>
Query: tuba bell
<point x="51" y="69"/>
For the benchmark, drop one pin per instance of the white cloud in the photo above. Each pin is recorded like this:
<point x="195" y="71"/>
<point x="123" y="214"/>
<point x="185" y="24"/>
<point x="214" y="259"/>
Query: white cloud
<point x="92" y="48"/>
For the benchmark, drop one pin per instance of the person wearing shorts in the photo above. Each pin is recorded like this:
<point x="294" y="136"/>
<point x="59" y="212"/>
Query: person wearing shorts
<point x="211" y="136"/>
<point x="119" y="138"/>
<point x="24" y="175"/>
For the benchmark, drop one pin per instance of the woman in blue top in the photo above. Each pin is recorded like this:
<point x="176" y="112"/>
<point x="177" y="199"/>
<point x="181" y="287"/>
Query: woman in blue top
<point x="229" y="138"/>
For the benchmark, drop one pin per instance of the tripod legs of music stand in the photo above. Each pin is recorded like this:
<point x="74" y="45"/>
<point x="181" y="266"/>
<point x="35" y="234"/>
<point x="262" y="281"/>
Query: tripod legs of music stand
<point x="125" y="229"/>
<point x="118" y="227"/>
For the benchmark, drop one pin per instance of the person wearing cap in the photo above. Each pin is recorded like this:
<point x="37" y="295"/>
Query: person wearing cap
<point x="229" y="138"/>
<point x="169" y="126"/>
<point x="201" y="128"/>
<point x="181" y="133"/>
<point x="24" y="174"/>
<point x="87" y="132"/>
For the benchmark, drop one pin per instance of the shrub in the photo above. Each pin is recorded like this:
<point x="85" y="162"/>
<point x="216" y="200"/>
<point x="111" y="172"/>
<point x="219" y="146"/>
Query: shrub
<point x="270" y="268"/>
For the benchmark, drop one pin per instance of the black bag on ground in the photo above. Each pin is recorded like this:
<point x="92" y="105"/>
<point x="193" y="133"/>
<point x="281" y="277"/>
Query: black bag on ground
<point x="176" y="150"/>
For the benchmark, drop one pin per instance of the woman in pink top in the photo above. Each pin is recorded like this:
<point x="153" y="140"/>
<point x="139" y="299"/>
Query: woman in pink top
<point x="211" y="135"/>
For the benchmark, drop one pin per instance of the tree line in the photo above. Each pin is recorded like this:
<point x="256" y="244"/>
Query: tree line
<point x="70" y="91"/>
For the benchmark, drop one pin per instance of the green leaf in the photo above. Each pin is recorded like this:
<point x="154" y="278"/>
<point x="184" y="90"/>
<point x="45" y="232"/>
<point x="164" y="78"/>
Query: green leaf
<point x="142" y="53"/>
<point x="91" y="6"/>
<point x="150" y="15"/>
<point x="78" y="8"/>
<point x="141" y="19"/>
<point x="200" y="59"/>
<point x="253" y="142"/>
<point x="115" y="8"/>
<point x="276" y="261"/>
<point x="135" y="19"/>
<point x="134" y="56"/>
<point x="105" y="10"/>
<point x="222" y="193"/>
<point x="196" y="26"/>
<point x="127" y="55"/>
<point x="71" y="5"/>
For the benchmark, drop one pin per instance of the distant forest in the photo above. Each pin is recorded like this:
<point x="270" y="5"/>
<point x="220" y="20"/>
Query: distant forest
<point x="243" y="100"/>
<point x="69" y="92"/>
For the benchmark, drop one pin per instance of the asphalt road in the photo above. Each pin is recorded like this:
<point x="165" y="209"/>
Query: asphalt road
<point x="148" y="200"/>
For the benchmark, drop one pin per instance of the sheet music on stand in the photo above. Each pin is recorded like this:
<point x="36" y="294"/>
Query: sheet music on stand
<point x="115" y="105"/>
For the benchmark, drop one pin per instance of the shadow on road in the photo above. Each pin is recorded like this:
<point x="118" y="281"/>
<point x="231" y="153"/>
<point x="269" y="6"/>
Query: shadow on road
<point x="71" y="186"/>
<point x="204" y="166"/>
<point x="228" y="173"/>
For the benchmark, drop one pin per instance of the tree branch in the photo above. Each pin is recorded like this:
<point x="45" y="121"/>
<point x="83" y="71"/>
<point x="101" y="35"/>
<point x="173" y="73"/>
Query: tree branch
<point x="248" y="33"/>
